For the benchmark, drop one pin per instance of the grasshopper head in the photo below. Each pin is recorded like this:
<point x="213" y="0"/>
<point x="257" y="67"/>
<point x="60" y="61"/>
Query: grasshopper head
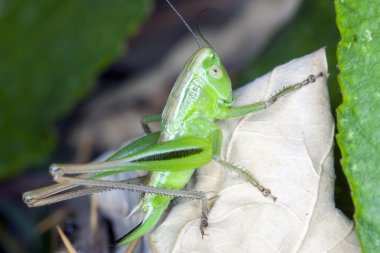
<point x="206" y="63"/>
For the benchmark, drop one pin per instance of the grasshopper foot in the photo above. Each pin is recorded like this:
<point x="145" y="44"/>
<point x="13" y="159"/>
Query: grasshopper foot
<point x="204" y="222"/>
<point x="266" y="192"/>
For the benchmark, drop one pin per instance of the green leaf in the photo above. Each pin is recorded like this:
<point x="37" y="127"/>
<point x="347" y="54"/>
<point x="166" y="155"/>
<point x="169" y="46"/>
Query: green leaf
<point x="50" y="54"/>
<point x="358" y="116"/>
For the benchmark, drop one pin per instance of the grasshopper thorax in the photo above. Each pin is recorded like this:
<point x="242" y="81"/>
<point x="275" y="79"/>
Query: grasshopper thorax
<point x="200" y="93"/>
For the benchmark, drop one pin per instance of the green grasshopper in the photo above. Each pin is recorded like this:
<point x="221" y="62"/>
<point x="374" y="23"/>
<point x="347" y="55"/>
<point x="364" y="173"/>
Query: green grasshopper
<point x="189" y="138"/>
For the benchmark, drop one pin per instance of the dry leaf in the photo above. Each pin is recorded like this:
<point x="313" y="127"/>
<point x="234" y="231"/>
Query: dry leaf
<point x="289" y="149"/>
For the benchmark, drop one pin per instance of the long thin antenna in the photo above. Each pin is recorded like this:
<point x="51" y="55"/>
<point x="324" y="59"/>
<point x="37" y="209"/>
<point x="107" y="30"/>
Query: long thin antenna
<point x="184" y="21"/>
<point x="198" y="29"/>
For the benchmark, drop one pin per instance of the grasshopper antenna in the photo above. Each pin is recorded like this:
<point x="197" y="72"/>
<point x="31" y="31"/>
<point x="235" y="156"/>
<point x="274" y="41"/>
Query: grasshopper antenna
<point x="184" y="21"/>
<point x="203" y="37"/>
<point x="198" y="29"/>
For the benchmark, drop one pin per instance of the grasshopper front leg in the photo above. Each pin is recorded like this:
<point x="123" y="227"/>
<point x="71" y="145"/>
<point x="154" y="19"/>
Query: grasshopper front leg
<point x="241" y="111"/>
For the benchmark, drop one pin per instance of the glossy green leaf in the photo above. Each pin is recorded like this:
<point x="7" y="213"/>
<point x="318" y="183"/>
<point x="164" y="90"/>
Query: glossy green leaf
<point x="358" y="116"/>
<point x="50" y="54"/>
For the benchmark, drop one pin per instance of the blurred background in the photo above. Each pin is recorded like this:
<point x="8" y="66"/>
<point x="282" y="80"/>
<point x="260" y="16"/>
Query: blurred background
<point x="77" y="76"/>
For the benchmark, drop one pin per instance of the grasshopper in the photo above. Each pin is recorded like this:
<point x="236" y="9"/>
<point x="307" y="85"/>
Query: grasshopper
<point x="189" y="137"/>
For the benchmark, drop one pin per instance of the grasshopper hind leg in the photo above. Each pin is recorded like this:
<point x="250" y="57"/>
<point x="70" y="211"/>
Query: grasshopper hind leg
<point x="152" y="215"/>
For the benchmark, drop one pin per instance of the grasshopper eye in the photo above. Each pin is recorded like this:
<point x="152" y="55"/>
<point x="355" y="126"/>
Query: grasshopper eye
<point x="216" y="72"/>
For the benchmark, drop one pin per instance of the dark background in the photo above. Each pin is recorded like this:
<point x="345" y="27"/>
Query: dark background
<point x="131" y="79"/>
